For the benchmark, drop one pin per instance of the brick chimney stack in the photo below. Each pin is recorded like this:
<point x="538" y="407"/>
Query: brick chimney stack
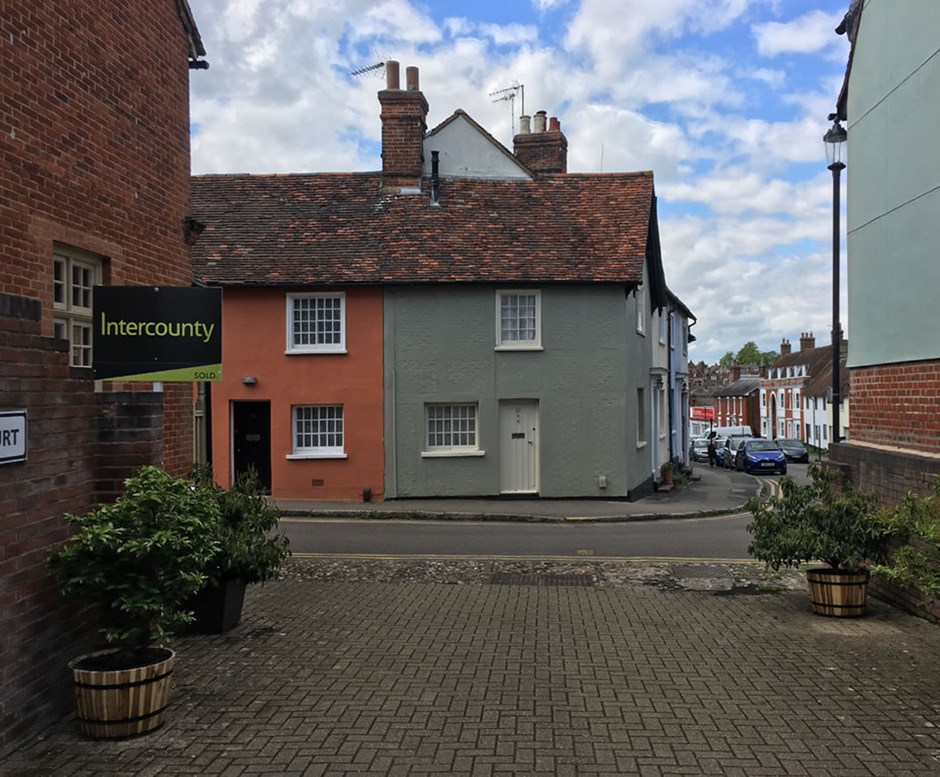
<point x="807" y="341"/>
<point x="404" y="122"/>
<point x="784" y="347"/>
<point x="542" y="150"/>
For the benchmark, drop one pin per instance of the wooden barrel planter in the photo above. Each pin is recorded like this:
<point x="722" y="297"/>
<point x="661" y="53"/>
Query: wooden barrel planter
<point x="838" y="593"/>
<point x="123" y="701"/>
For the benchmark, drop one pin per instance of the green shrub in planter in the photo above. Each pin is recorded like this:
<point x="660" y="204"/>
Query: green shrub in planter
<point x="248" y="548"/>
<point x="915" y="562"/>
<point x="827" y="520"/>
<point x="140" y="558"/>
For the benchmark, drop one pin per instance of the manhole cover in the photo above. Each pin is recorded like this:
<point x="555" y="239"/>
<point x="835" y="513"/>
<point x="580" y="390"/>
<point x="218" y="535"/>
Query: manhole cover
<point x="542" y="580"/>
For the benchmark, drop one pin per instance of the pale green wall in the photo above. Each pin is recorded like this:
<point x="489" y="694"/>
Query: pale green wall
<point x="893" y="184"/>
<point x="439" y="347"/>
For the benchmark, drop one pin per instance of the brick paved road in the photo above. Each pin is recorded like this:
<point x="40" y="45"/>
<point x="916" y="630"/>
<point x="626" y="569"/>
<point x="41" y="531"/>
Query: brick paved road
<point x="396" y="677"/>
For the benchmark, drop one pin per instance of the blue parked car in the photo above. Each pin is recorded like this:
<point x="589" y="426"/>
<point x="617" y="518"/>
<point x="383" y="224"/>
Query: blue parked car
<point x="761" y="456"/>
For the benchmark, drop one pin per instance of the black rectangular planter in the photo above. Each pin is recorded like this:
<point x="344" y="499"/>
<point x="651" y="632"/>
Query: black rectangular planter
<point x="217" y="608"/>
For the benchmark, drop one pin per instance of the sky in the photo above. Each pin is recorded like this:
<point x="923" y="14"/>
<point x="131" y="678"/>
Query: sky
<point x="726" y="101"/>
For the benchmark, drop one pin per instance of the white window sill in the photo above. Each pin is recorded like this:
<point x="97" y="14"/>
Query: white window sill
<point x="450" y="454"/>
<point x="299" y="456"/>
<point x="318" y="352"/>
<point x="519" y="348"/>
<point x="641" y="445"/>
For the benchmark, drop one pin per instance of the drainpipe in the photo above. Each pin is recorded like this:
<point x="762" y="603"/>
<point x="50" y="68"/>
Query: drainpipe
<point x="435" y="179"/>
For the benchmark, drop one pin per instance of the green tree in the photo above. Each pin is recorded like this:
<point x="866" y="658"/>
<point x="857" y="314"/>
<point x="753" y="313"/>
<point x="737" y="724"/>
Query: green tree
<point x="769" y="357"/>
<point x="726" y="360"/>
<point x="749" y="354"/>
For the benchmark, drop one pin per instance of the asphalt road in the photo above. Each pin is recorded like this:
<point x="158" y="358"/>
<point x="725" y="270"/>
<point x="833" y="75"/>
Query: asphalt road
<point x="713" y="538"/>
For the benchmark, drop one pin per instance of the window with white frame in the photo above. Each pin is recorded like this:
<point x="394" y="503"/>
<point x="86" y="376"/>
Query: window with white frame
<point x="316" y="323"/>
<point x="518" y="319"/>
<point x="74" y="274"/>
<point x="662" y="327"/>
<point x="640" y="417"/>
<point x="451" y="428"/>
<point x="663" y="414"/>
<point x="318" y="431"/>
<point x="640" y="299"/>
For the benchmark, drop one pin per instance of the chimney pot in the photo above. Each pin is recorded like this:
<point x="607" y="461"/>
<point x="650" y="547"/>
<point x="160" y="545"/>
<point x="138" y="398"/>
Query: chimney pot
<point x="524" y="128"/>
<point x="554" y="125"/>
<point x="411" y="78"/>
<point x="392" y="75"/>
<point x="540" y="121"/>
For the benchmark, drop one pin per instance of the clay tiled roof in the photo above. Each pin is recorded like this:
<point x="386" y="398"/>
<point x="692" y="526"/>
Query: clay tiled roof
<point x="820" y="384"/>
<point x="341" y="229"/>
<point x="743" y="387"/>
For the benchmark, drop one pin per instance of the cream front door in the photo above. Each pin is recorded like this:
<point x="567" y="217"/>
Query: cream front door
<point x="519" y="447"/>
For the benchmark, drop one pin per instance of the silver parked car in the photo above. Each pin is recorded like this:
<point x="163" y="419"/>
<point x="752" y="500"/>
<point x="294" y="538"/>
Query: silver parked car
<point x="699" y="449"/>
<point x="731" y="449"/>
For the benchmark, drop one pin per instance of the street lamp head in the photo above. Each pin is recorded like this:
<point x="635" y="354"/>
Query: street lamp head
<point x="834" y="139"/>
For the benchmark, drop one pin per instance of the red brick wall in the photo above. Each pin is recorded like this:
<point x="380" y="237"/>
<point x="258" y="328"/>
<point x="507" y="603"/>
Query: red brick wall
<point x="40" y="634"/>
<point x="94" y="138"/>
<point x="897" y="405"/>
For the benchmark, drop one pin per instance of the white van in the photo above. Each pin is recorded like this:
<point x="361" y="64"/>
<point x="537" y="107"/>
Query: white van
<point x="730" y="431"/>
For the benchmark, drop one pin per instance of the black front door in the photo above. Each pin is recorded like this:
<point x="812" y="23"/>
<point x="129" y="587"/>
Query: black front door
<point x="251" y="440"/>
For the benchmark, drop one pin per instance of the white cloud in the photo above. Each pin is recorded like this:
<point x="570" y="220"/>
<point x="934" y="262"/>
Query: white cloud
<point x="808" y="34"/>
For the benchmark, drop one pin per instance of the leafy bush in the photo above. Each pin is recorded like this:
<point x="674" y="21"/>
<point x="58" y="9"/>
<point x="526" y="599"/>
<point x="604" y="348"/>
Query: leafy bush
<point x="247" y="548"/>
<point x="140" y="558"/>
<point x="827" y="520"/>
<point x="916" y="562"/>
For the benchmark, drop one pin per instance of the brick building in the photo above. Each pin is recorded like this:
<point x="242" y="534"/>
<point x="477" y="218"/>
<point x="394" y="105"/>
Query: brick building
<point x="781" y="391"/>
<point x="94" y="138"/>
<point x="738" y="403"/>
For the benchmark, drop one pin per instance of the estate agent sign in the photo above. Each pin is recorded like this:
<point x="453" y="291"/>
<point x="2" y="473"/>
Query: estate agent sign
<point x="157" y="333"/>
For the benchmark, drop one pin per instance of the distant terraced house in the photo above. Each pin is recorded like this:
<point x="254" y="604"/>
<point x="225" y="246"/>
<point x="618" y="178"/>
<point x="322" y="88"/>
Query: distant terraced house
<point x="468" y="321"/>
<point x="794" y="400"/>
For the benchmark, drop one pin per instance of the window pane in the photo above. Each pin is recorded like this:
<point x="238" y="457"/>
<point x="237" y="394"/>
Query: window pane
<point x="517" y="318"/>
<point x="82" y="282"/>
<point x="81" y="345"/>
<point x="318" y="427"/>
<point x="58" y="281"/>
<point x="452" y="426"/>
<point x="318" y="321"/>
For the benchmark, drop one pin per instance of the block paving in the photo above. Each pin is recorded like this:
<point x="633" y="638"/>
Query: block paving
<point x="517" y="673"/>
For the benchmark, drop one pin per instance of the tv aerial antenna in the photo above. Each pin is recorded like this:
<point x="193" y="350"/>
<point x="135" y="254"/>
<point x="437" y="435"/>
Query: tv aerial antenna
<point x="509" y="95"/>
<point x="377" y="69"/>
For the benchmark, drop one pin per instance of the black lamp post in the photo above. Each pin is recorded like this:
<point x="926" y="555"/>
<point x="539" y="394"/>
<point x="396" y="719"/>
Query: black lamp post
<point x="834" y="139"/>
